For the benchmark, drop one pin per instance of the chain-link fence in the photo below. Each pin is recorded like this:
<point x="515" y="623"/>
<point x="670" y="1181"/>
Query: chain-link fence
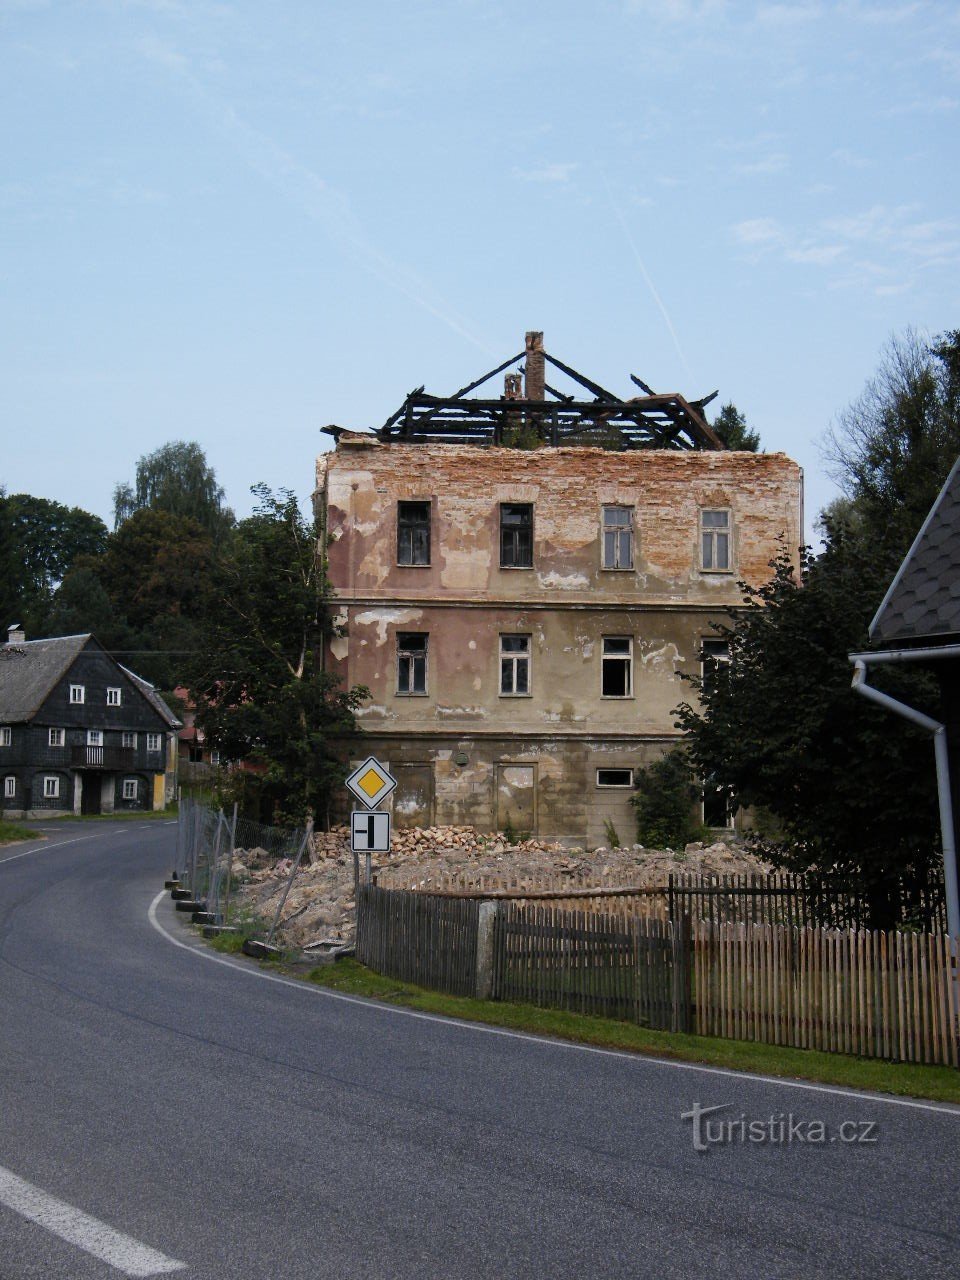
<point x="208" y="842"/>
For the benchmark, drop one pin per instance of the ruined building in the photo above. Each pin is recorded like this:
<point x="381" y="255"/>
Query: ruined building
<point x="522" y="615"/>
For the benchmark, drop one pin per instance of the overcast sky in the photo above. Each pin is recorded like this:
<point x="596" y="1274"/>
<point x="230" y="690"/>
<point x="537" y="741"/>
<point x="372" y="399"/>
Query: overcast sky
<point x="237" y="222"/>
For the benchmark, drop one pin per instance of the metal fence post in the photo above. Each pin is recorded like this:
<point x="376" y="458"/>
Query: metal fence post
<point x="293" y="871"/>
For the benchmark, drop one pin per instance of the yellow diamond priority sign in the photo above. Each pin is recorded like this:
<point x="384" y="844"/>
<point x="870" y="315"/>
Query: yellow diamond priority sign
<point x="371" y="782"/>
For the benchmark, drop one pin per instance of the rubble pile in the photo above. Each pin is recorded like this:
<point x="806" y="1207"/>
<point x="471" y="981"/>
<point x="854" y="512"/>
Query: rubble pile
<point x="320" y="906"/>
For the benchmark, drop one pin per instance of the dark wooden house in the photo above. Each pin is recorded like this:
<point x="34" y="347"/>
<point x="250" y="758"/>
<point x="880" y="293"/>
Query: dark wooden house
<point x="79" y="733"/>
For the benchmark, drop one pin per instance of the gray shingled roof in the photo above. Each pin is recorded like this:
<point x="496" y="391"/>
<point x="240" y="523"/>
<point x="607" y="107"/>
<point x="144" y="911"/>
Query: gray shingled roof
<point x="153" y="697"/>
<point x="29" y="670"/>
<point x="923" y="601"/>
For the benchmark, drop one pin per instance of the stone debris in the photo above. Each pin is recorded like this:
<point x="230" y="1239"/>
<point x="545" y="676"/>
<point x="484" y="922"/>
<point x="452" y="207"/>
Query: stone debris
<point x="321" y="902"/>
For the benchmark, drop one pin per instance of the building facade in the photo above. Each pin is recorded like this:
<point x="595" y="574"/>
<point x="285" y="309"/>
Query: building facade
<point x="79" y="733"/>
<point x="523" y="618"/>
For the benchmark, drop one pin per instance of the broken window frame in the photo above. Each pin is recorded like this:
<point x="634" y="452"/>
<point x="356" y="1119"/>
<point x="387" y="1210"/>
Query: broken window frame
<point x="413" y="533"/>
<point x="516" y="535"/>
<point x="720" y="797"/>
<point x="616" y="538"/>
<point x="412" y="648"/>
<point x="714" y="654"/>
<point x="624" y="784"/>
<point x="513" y="661"/>
<point x="716" y="540"/>
<point x="616" y="653"/>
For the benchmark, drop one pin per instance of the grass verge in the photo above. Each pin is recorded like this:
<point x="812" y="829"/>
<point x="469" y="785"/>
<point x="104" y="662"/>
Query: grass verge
<point x="128" y="815"/>
<point x="903" y="1079"/>
<point x="11" y="831"/>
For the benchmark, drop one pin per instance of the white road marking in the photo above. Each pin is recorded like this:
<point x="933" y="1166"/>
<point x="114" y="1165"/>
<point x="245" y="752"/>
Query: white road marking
<point x="44" y="848"/>
<point x="80" y="1229"/>
<point x="457" y="1024"/>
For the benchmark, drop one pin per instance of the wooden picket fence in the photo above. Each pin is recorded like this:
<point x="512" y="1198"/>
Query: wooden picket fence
<point x="886" y="995"/>
<point x="419" y="938"/>
<point x="628" y="968"/>
<point x="877" y="995"/>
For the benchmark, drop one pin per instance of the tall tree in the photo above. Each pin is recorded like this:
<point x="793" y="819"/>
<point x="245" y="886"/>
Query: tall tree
<point x="259" y="685"/>
<point x="731" y="426"/>
<point x="45" y="539"/>
<point x="177" y="479"/>
<point x="779" y="726"/>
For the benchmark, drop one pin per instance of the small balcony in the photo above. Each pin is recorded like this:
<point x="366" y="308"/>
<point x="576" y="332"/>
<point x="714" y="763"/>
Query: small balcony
<point x="103" y="758"/>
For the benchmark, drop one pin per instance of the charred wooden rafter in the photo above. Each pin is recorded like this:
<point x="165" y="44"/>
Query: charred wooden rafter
<point x="650" y="421"/>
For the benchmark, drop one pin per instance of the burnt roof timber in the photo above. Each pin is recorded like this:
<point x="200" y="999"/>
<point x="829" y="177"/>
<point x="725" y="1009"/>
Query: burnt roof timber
<point x="600" y="392"/>
<point x="458" y="395"/>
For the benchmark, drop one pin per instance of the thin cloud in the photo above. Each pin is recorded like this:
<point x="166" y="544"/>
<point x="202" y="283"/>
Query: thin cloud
<point x="546" y="173"/>
<point x="777" y="163"/>
<point x="319" y="199"/>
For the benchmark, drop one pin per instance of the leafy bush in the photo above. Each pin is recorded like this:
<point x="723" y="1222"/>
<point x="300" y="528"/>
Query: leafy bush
<point x="666" y="794"/>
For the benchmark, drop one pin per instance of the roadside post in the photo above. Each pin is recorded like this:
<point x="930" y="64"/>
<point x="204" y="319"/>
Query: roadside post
<point x="371" y="783"/>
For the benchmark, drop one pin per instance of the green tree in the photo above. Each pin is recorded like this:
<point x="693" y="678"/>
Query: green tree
<point x="177" y="479"/>
<point x="43" y="539"/>
<point x="853" y="788"/>
<point x="664" y="802"/>
<point x="259" y="686"/>
<point x="731" y="426"/>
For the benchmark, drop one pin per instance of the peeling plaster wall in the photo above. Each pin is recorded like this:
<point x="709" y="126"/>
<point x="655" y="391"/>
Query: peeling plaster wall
<point x="566" y="603"/>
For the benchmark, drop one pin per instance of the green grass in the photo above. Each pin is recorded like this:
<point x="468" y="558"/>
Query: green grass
<point x="904" y="1079"/>
<point x="11" y="831"/>
<point x="128" y="815"/>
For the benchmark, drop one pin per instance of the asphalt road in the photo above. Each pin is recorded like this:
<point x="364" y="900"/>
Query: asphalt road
<point x="163" y="1106"/>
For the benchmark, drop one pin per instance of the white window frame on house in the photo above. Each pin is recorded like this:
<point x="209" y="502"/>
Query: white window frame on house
<point x="6" y="735"/>
<point x="716" y="540"/>
<point x="624" y="778"/>
<point x="9" y="787"/>
<point x="128" y="738"/>
<point x="51" y="787"/>
<point x="413" y="663"/>
<point x="94" y="737"/>
<point x="516" y="535"/>
<point x="56" y="738"/>
<point x="154" y="741"/>
<point x="515" y="666"/>
<point x="413" y="548"/>
<point x="130" y="788"/>
<point x="616" y="650"/>
<point x="78" y="695"/>
<point x="113" y="697"/>
<point x="616" y="537"/>
<point x="215" y="757"/>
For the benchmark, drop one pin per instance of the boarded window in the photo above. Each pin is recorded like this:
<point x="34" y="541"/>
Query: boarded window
<point x="715" y="540"/>
<point x="617" y="538"/>
<point x="411" y="662"/>
<point x="413" y="533"/>
<point x="514" y="666"/>
<point x="617" y="660"/>
<point x="516" y="535"/>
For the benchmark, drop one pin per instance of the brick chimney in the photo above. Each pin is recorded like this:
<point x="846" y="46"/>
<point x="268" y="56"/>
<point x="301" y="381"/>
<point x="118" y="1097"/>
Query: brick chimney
<point x="535" y="365"/>
<point x="512" y="386"/>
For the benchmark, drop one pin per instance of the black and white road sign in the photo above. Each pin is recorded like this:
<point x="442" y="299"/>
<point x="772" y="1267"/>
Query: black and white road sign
<point x="369" y="831"/>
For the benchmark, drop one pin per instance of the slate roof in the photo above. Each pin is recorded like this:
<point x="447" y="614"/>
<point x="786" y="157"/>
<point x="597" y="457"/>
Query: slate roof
<point x="153" y="697"/>
<point x="923" y="601"/>
<point x="30" y="669"/>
